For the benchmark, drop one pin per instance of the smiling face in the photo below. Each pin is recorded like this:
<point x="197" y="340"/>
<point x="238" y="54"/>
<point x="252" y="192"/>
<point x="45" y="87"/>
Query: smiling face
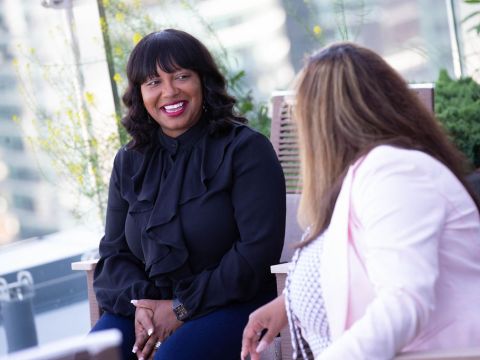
<point x="174" y="100"/>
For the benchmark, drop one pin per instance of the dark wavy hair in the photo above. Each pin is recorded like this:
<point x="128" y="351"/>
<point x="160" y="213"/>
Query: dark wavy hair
<point x="169" y="50"/>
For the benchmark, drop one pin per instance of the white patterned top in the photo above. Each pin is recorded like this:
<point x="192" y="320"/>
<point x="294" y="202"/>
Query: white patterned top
<point x="307" y="317"/>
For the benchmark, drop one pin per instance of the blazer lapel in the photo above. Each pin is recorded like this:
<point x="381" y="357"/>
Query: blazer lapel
<point x="334" y="266"/>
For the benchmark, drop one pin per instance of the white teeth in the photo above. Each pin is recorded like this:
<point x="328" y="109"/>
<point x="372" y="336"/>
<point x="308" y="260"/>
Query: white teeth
<point x="174" y="107"/>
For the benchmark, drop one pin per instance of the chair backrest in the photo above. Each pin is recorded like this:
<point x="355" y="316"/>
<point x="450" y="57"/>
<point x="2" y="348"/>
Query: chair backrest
<point x="101" y="345"/>
<point x="283" y="133"/>
<point x="293" y="232"/>
<point x="283" y="136"/>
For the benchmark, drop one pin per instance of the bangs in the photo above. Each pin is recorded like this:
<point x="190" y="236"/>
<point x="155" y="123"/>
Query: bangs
<point x="161" y="51"/>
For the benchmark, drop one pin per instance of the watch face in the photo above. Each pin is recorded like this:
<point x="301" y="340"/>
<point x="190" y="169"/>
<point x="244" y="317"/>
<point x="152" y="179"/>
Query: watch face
<point x="181" y="312"/>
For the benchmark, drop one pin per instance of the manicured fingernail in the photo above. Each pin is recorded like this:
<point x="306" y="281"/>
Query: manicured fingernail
<point x="261" y="346"/>
<point x="141" y="358"/>
<point x="134" y="302"/>
<point x="150" y="332"/>
<point x="134" y="349"/>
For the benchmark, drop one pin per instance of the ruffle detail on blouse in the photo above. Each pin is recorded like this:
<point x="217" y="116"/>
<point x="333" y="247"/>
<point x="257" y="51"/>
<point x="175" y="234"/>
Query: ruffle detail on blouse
<point x="158" y="199"/>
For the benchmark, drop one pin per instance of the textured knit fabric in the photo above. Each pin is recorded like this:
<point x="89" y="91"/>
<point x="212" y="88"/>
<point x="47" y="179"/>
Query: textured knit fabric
<point x="200" y="217"/>
<point x="306" y="313"/>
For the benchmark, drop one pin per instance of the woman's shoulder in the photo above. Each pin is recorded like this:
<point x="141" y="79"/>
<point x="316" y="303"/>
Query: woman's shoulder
<point x="389" y="153"/>
<point x="244" y="134"/>
<point x="126" y="156"/>
<point x="386" y="163"/>
<point x="387" y="156"/>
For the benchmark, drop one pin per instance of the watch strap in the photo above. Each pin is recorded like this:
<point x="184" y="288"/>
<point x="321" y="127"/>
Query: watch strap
<point x="179" y="309"/>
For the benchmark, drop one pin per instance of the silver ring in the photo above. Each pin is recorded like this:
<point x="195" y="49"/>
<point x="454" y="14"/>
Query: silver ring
<point x="157" y="344"/>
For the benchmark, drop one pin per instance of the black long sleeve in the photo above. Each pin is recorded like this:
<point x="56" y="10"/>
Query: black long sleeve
<point x="119" y="275"/>
<point x="200" y="217"/>
<point x="258" y="198"/>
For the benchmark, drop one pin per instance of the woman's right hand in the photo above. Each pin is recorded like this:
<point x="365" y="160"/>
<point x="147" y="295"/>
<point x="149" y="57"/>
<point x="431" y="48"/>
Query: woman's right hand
<point x="145" y="340"/>
<point x="158" y="317"/>
<point x="271" y="317"/>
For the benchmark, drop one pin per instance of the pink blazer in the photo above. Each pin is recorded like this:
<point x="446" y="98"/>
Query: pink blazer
<point x="401" y="259"/>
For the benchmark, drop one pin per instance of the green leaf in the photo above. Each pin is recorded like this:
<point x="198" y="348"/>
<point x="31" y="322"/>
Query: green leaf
<point x="238" y="76"/>
<point x="457" y="105"/>
<point x="468" y="17"/>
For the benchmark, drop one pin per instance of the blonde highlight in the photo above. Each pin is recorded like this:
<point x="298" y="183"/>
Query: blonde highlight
<point x="348" y="101"/>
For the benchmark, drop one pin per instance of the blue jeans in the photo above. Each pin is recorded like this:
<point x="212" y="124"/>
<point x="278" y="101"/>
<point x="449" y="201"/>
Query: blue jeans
<point x="217" y="335"/>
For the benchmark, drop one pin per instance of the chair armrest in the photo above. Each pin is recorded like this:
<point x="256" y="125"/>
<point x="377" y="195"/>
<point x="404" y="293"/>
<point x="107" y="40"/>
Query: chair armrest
<point x="89" y="267"/>
<point x="85" y="265"/>
<point x="280" y="271"/>
<point x="459" y="354"/>
<point x="279" y="268"/>
<point x="99" y="345"/>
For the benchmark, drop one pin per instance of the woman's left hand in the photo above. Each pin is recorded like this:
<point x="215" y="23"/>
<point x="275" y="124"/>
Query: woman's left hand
<point x="164" y="320"/>
<point x="267" y="320"/>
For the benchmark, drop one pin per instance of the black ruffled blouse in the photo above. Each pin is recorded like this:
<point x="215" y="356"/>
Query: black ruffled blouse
<point x="200" y="217"/>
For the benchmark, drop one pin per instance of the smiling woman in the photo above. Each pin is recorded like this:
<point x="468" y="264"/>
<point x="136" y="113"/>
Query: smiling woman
<point x="173" y="100"/>
<point x="196" y="210"/>
<point x="169" y="67"/>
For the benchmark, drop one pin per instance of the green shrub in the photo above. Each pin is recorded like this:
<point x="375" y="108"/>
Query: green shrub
<point x="457" y="105"/>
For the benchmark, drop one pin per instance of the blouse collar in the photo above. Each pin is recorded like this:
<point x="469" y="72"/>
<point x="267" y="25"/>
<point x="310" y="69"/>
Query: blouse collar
<point x="184" y="141"/>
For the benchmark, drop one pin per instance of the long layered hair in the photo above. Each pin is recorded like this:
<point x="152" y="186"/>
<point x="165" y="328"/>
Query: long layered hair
<point x="350" y="100"/>
<point x="169" y="50"/>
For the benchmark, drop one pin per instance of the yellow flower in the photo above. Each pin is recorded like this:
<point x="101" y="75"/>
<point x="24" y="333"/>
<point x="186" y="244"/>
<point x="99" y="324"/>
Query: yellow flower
<point x="117" y="50"/>
<point x="106" y="3"/>
<point x="136" y="38"/>
<point x="117" y="78"/>
<point x="90" y="98"/>
<point x="103" y="24"/>
<point x="317" y="30"/>
<point x="120" y="17"/>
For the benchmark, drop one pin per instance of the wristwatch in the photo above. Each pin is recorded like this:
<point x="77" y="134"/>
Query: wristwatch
<point x="179" y="309"/>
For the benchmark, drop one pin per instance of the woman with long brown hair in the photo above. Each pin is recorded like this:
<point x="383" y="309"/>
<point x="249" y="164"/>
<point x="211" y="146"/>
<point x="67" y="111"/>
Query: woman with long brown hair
<point x="390" y="259"/>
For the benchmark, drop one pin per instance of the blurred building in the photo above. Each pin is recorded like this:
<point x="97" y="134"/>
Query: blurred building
<point x="470" y="37"/>
<point x="28" y="205"/>
<point x="270" y="38"/>
<point x="252" y="32"/>
<point x="413" y="35"/>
